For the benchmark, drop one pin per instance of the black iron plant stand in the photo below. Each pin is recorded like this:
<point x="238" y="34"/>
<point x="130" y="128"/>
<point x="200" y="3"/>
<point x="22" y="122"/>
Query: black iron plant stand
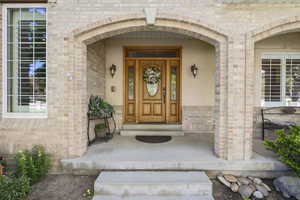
<point x="109" y="130"/>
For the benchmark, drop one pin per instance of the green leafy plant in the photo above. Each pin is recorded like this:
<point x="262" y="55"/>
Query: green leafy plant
<point x="25" y="165"/>
<point x="287" y="146"/>
<point x="34" y="165"/>
<point x="41" y="161"/>
<point x="14" y="188"/>
<point x="152" y="75"/>
<point x="246" y="198"/>
<point x="88" y="193"/>
<point x="98" y="106"/>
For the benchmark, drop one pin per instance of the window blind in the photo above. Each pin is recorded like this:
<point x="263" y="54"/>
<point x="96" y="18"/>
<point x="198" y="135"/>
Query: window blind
<point x="293" y="80"/>
<point x="280" y="79"/>
<point x="271" y="79"/>
<point x="26" y="60"/>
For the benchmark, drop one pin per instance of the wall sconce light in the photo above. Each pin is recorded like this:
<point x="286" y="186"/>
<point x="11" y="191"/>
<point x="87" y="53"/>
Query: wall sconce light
<point x="113" y="69"/>
<point x="194" y="70"/>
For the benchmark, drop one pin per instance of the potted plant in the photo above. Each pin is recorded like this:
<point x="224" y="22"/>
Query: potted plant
<point x="99" y="107"/>
<point x="100" y="130"/>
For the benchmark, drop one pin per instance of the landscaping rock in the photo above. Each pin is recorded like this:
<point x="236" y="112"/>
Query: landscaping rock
<point x="234" y="187"/>
<point x="288" y="185"/>
<point x="244" y="180"/>
<point x="257" y="181"/>
<point x="252" y="186"/>
<point x="266" y="186"/>
<point x="263" y="190"/>
<point x="223" y="180"/>
<point x="246" y="186"/>
<point x="246" y="191"/>
<point x="230" y="178"/>
<point x="258" y="195"/>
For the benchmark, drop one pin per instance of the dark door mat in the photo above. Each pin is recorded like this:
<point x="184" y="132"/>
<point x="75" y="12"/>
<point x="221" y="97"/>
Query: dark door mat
<point x="153" y="139"/>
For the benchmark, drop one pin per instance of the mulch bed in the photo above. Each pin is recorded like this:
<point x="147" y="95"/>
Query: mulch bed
<point x="62" y="187"/>
<point x="69" y="187"/>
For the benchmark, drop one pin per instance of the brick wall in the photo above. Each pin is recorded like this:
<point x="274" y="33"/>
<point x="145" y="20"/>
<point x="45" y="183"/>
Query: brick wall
<point x="198" y="119"/>
<point x="96" y="69"/>
<point x="259" y="1"/>
<point x="75" y="23"/>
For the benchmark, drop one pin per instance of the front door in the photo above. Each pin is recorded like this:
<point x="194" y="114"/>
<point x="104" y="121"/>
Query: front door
<point x="152" y="85"/>
<point x="152" y="100"/>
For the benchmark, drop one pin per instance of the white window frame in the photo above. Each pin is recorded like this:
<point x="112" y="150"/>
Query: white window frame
<point x="6" y="114"/>
<point x="282" y="56"/>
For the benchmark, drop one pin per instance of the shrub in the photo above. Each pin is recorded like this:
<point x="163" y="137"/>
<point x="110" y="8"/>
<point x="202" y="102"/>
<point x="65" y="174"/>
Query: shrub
<point x="25" y="166"/>
<point x="287" y="146"/>
<point x="14" y="188"/>
<point x="41" y="161"/>
<point x="34" y="165"/>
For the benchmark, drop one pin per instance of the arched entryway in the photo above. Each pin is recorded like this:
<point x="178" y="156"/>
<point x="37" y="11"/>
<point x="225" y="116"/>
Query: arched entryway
<point x="273" y="52"/>
<point x="80" y="39"/>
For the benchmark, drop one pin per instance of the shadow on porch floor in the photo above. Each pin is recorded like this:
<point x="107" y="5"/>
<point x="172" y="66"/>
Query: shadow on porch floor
<point x="190" y="152"/>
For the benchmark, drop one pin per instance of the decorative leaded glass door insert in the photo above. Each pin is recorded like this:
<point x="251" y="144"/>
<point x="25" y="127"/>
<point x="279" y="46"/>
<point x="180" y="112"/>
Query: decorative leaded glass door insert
<point x="152" y="101"/>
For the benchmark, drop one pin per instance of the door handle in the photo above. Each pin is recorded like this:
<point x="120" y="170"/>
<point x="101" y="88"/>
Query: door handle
<point x="164" y="91"/>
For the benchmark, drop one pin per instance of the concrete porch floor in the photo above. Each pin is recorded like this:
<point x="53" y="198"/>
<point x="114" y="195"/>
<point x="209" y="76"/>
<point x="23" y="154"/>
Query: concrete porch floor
<point x="189" y="152"/>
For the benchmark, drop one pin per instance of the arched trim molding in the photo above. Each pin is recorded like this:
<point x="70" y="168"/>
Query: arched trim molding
<point x="274" y="28"/>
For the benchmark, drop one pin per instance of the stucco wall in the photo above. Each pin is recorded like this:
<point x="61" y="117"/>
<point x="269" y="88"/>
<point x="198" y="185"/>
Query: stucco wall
<point x="197" y="91"/>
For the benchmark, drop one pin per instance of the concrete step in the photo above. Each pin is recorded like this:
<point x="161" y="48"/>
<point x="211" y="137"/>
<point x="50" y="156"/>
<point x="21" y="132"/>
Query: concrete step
<point x="168" y="127"/>
<point x="102" y="197"/>
<point x="151" y="132"/>
<point x="153" y="183"/>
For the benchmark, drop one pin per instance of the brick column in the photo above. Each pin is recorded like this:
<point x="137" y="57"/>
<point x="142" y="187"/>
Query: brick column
<point x="240" y="101"/>
<point x="76" y="96"/>
<point x="220" y="110"/>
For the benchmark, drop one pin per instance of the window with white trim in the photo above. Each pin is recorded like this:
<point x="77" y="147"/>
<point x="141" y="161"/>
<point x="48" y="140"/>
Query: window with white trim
<point x="25" y="60"/>
<point x="280" y="79"/>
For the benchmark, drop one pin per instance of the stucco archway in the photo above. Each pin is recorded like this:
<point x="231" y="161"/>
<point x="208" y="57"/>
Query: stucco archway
<point x="77" y="45"/>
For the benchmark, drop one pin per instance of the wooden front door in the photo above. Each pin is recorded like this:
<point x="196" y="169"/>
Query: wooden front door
<point x="148" y="101"/>
<point x="152" y="99"/>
